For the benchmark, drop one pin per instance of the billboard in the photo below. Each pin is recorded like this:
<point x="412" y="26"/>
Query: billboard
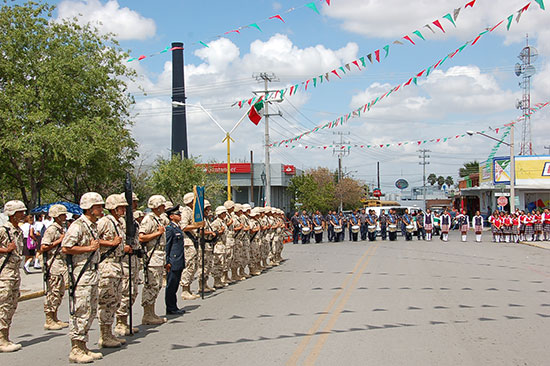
<point x="222" y="168"/>
<point x="533" y="171"/>
<point x="501" y="170"/>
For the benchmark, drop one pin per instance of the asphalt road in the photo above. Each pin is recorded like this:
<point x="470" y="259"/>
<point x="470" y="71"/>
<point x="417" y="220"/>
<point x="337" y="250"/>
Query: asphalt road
<point x="381" y="303"/>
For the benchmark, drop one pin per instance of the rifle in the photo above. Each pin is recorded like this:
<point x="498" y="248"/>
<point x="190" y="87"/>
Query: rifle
<point x="48" y="268"/>
<point x="7" y="255"/>
<point x="130" y="235"/>
<point x="147" y="258"/>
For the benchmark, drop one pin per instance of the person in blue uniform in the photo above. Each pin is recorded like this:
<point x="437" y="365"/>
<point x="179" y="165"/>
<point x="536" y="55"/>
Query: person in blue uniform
<point x="353" y="221"/>
<point x="318" y="222"/>
<point x="407" y="223"/>
<point x="305" y="222"/>
<point x="330" y="226"/>
<point x="295" y="221"/>
<point x="175" y="260"/>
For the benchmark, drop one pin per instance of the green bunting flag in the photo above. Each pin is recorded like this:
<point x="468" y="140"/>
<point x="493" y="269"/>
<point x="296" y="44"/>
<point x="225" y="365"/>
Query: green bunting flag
<point x="255" y="25"/>
<point x="313" y="7"/>
<point x="510" y="18"/>
<point x="541" y="3"/>
<point x="387" y="49"/>
<point x="419" y="35"/>
<point x="448" y="16"/>
<point x="204" y="44"/>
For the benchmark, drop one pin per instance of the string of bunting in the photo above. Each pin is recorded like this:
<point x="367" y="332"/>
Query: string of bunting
<point x="356" y="113"/>
<point x="256" y="25"/>
<point x="361" y="63"/>
<point x="505" y="127"/>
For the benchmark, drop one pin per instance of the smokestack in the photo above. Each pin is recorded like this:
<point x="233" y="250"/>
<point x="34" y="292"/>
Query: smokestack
<point x="179" y="118"/>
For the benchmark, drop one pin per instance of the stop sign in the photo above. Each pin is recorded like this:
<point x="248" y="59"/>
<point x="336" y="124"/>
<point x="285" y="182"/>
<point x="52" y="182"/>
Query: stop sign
<point x="377" y="192"/>
<point x="502" y="201"/>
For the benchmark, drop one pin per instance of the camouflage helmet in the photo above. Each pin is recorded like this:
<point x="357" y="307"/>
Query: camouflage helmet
<point x="238" y="207"/>
<point x="114" y="201"/>
<point x="168" y="204"/>
<point x="229" y="204"/>
<point x="90" y="199"/>
<point x="220" y="210"/>
<point x="156" y="201"/>
<point x="247" y="207"/>
<point x="11" y="207"/>
<point x="188" y="198"/>
<point x="134" y="197"/>
<point x="207" y="204"/>
<point x="255" y="212"/>
<point x="138" y="214"/>
<point x="57" y="210"/>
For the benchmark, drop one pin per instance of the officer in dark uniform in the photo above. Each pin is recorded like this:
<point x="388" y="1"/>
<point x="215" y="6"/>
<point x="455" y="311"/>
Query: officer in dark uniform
<point x="175" y="260"/>
<point x="295" y="221"/>
<point x="383" y="220"/>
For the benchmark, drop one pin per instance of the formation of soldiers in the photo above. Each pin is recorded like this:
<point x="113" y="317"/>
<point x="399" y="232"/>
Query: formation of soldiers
<point x="92" y="259"/>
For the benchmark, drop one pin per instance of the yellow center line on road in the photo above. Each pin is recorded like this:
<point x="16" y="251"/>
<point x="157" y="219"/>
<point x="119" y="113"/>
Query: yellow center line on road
<point x="310" y="360"/>
<point x="305" y="341"/>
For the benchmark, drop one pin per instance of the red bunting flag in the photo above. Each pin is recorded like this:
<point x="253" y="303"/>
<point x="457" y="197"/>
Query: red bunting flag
<point x="377" y="55"/>
<point x="408" y="82"/>
<point x="307" y="82"/>
<point x="437" y="64"/>
<point x="141" y="57"/>
<point x="420" y="73"/>
<point x="336" y="73"/>
<point x="496" y="26"/>
<point x="438" y="25"/>
<point x="409" y="39"/>
<point x="475" y="40"/>
<point x="255" y="111"/>
<point x="356" y="64"/>
<point x="328" y="2"/>
<point x="470" y="4"/>
<point x="233" y="31"/>
<point x="277" y="17"/>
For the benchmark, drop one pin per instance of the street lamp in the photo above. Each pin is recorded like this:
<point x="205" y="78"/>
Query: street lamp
<point x="512" y="163"/>
<point x="263" y="185"/>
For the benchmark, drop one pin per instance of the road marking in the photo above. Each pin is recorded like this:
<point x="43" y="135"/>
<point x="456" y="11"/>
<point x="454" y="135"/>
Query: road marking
<point x="305" y="341"/>
<point x="310" y="360"/>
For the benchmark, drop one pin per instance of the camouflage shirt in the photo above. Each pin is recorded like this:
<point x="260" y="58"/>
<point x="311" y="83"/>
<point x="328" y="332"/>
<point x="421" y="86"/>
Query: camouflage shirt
<point x="81" y="233"/>
<point x="56" y="258"/>
<point x="11" y="270"/>
<point x="150" y="224"/>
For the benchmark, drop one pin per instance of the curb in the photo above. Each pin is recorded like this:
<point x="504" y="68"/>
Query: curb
<point x="531" y="244"/>
<point x="31" y="295"/>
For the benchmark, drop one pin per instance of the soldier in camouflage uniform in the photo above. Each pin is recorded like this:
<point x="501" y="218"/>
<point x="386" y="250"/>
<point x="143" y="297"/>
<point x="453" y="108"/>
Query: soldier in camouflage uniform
<point x="152" y="235"/>
<point x="210" y="237"/>
<point x="231" y="223"/>
<point x="191" y="245"/>
<point x="122" y="328"/>
<point x="112" y="238"/>
<point x="54" y="267"/>
<point x="11" y="246"/>
<point x="266" y="243"/>
<point x="219" y="226"/>
<point x="246" y="242"/>
<point x="82" y="244"/>
<point x="275" y="255"/>
<point x="255" y="242"/>
<point x="238" y="253"/>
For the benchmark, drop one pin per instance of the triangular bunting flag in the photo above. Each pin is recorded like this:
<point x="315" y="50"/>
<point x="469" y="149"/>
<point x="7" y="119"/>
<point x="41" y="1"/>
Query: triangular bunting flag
<point x="495" y="27"/>
<point x="429" y="27"/>
<point x="510" y="18"/>
<point x="408" y="82"/>
<point x="521" y="12"/>
<point x="377" y="55"/>
<point x="348" y="67"/>
<point x="455" y="13"/>
<point x="313" y="7"/>
<point x="409" y="39"/>
<point x="541" y="3"/>
<point x="448" y="16"/>
<point x="255" y="26"/>
<point x="362" y="59"/>
<point x="470" y="4"/>
<point x="335" y="73"/>
<point x="369" y="56"/>
<point x="438" y="25"/>
<point x="277" y="17"/>
<point x="387" y="49"/>
<point x="342" y="68"/>
<point x="419" y="35"/>
<point x="356" y="64"/>
<point x="397" y="42"/>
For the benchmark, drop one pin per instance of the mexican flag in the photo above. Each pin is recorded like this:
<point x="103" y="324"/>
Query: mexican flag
<point x="255" y="113"/>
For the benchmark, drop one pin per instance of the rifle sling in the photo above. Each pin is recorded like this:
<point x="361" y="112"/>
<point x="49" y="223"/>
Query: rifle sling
<point x="9" y="254"/>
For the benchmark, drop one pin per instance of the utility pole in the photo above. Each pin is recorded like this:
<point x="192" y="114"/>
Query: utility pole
<point x="340" y="150"/>
<point x="424" y="163"/>
<point x="267" y="78"/>
<point x="378" y="173"/>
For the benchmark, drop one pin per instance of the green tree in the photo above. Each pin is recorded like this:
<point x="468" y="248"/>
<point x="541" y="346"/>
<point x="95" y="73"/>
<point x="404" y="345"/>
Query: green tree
<point x="64" y="106"/>
<point x="303" y="188"/>
<point x="175" y="177"/>
<point x="350" y="191"/>
<point x="449" y="181"/>
<point x="432" y="179"/>
<point x="440" y="181"/>
<point x="469" y="168"/>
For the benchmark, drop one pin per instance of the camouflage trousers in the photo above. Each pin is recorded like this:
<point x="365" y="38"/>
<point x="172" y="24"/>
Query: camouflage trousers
<point x="191" y="265"/>
<point x="229" y="254"/>
<point x="255" y="247"/>
<point x="110" y="294"/>
<point x="9" y="295"/>
<point x="152" y="288"/>
<point x="246" y="252"/>
<point x="125" y="300"/>
<point x="265" y="247"/>
<point x="85" y="310"/>
<point x="208" y="262"/>
<point x="219" y="262"/>
<point x="54" y="292"/>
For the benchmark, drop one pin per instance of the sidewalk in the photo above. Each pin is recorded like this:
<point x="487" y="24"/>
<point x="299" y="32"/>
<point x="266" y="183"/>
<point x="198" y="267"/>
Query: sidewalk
<point x="31" y="284"/>
<point x="538" y="244"/>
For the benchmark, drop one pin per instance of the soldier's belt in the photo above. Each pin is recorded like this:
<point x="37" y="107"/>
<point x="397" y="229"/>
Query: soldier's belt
<point x="91" y="267"/>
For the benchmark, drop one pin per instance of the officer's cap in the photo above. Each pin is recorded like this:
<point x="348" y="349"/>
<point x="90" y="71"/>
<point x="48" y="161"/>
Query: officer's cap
<point x="173" y="210"/>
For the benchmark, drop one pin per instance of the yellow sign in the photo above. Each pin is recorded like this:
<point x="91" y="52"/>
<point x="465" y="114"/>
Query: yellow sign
<point x="533" y="170"/>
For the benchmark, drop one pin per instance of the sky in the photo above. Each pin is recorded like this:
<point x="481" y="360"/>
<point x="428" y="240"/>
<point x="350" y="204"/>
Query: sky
<point x="474" y="90"/>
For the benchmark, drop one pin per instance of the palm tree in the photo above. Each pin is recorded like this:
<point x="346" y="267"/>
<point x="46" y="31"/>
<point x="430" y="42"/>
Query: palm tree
<point x="449" y="181"/>
<point x="440" y="181"/>
<point x="468" y="168"/>
<point x="432" y="179"/>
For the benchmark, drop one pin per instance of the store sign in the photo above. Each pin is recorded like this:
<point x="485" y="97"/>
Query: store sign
<point x="289" y="169"/>
<point x="533" y="171"/>
<point x="222" y="168"/>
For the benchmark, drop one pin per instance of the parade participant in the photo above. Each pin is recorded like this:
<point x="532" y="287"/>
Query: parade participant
<point x="238" y="254"/>
<point x="477" y="225"/>
<point x="219" y="226"/>
<point x="428" y="224"/>
<point x="305" y="227"/>
<point x="529" y="222"/>
<point x="112" y="247"/>
<point x="463" y="223"/>
<point x="392" y="225"/>
<point x="153" y="238"/>
<point x="81" y="247"/>
<point x="255" y="242"/>
<point x="295" y="221"/>
<point x="210" y="237"/>
<point x="437" y="224"/>
<point x="277" y="258"/>
<point x="354" y="226"/>
<point x="343" y="220"/>
<point x="409" y="227"/>
<point x="522" y="217"/>
<point x="337" y="227"/>
<point x="330" y="226"/>
<point x="445" y="225"/>
<point x="538" y="226"/>
<point x="420" y="230"/>
<point x="383" y="220"/>
<point x="515" y="227"/>
<point x="363" y="224"/>
<point x="371" y="225"/>
<point x="122" y="328"/>
<point x="318" y="226"/>
<point x="165" y="219"/>
<point x="546" y="224"/>
<point x="55" y="268"/>
<point x="175" y="260"/>
<point x="230" y="223"/>
<point x="11" y="246"/>
<point x="507" y="224"/>
<point x="191" y="246"/>
<point x="245" y="239"/>
<point x="270" y="234"/>
<point x="497" y="227"/>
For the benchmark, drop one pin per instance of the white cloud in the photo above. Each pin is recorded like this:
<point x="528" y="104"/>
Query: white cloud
<point x="127" y="24"/>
